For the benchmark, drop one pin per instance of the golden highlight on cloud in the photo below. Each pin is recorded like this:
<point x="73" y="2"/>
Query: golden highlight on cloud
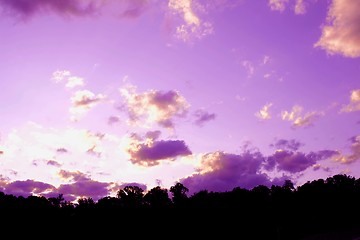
<point x="300" y="7"/>
<point x="154" y="106"/>
<point x="341" y="34"/>
<point x="192" y="26"/>
<point x="298" y="119"/>
<point x="264" y="113"/>
<point x="354" y="104"/>
<point x="354" y="152"/>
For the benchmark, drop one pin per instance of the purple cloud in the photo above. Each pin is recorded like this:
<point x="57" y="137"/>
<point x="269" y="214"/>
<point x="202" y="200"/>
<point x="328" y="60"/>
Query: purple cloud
<point x="53" y="163"/>
<point x="27" y="9"/>
<point x="291" y="144"/>
<point x="135" y="8"/>
<point x="223" y="171"/>
<point x="27" y="188"/>
<point x="112" y="120"/>
<point x="85" y="188"/>
<point x="151" y="154"/>
<point x="296" y="161"/>
<point x="202" y="116"/>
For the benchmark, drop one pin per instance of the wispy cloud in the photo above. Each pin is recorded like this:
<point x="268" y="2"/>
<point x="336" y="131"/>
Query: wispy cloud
<point x="284" y="144"/>
<point x="82" y="101"/>
<point x="278" y="5"/>
<point x="192" y="25"/>
<point x="65" y="75"/>
<point x="67" y="8"/>
<point x="354" y="152"/>
<point x="341" y="33"/>
<point x="300" y="7"/>
<point x="299" y="119"/>
<point x="264" y="112"/>
<point x="354" y="104"/>
<point x="202" y="116"/>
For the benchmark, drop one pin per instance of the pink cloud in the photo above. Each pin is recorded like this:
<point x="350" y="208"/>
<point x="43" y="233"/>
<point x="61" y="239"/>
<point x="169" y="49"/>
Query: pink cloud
<point x="341" y="33"/>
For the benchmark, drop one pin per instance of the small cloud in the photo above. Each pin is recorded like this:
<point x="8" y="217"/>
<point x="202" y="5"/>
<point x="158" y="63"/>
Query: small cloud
<point x="151" y="152"/>
<point x="154" y="106"/>
<point x="61" y="150"/>
<point x="298" y="119"/>
<point x="65" y="75"/>
<point x="191" y="26"/>
<point x="265" y="60"/>
<point x="284" y="144"/>
<point x="264" y="113"/>
<point x="113" y="120"/>
<point x="278" y="5"/>
<point x="355" y="152"/>
<point x="53" y="163"/>
<point x="341" y="33"/>
<point x="203" y="116"/>
<point x="249" y="67"/>
<point x="82" y="101"/>
<point x="354" y="104"/>
<point x="300" y="7"/>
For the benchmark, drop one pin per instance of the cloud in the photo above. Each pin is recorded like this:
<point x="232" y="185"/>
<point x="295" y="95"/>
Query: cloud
<point x="150" y="152"/>
<point x="154" y="106"/>
<point x="283" y="144"/>
<point x="27" y="188"/>
<point x="65" y="75"/>
<point x="112" y="120"/>
<point x="220" y="171"/>
<point x="300" y="7"/>
<point x="27" y="9"/>
<point x="202" y="116"/>
<point x="294" y="162"/>
<point x="191" y="26"/>
<point x="298" y="119"/>
<point x="85" y="188"/>
<point x="53" y="163"/>
<point x="355" y="152"/>
<point x="134" y="8"/>
<point x="264" y="113"/>
<point x="278" y="5"/>
<point x="354" y="104"/>
<point x="249" y="66"/>
<point x="82" y="101"/>
<point x="341" y="33"/>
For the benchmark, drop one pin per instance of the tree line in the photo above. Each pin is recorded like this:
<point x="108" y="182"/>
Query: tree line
<point x="276" y="212"/>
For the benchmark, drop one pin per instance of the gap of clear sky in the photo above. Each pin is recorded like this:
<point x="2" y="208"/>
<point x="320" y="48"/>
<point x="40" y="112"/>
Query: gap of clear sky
<point x="99" y="94"/>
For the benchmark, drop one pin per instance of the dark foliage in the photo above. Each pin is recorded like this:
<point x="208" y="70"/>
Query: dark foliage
<point x="330" y="206"/>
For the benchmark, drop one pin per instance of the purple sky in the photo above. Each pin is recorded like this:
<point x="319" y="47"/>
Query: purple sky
<point x="214" y="94"/>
